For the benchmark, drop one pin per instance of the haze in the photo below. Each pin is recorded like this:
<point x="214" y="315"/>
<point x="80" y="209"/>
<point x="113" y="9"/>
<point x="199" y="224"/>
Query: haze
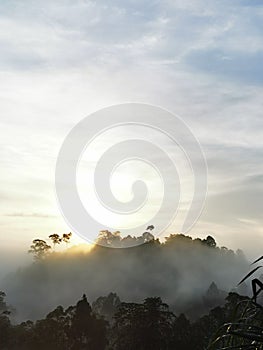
<point x="61" y="61"/>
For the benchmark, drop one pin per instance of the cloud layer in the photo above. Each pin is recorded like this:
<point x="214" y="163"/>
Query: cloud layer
<point x="200" y="59"/>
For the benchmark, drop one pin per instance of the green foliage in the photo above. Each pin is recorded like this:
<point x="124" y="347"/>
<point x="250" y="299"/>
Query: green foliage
<point x="245" y="329"/>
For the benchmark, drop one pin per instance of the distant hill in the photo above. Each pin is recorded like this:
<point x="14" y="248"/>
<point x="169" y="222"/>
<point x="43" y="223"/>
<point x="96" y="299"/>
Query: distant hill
<point x="180" y="270"/>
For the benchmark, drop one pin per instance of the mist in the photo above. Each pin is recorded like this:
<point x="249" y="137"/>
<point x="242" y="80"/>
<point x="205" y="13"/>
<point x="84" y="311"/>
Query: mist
<point x="179" y="270"/>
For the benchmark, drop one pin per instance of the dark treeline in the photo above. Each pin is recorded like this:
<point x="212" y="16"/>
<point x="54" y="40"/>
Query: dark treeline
<point x="114" y="325"/>
<point x="180" y="270"/>
<point x="175" y="294"/>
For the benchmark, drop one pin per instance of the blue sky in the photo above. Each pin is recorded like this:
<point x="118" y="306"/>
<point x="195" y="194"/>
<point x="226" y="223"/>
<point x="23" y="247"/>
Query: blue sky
<point x="61" y="60"/>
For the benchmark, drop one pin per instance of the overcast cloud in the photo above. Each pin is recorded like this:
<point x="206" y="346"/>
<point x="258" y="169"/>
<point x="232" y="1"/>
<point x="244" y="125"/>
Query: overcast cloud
<point x="200" y="59"/>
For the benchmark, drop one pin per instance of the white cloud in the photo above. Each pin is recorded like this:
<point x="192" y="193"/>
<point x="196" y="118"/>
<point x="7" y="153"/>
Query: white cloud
<point x="62" y="60"/>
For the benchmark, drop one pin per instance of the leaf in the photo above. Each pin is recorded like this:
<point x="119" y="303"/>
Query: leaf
<point x="257" y="260"/>
<point x="249" y="274"/>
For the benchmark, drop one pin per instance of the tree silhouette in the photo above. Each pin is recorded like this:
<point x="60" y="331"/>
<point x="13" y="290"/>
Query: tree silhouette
<point x="66" y="237"/>
<point x="146" y="326"/>
<point x="87" y="332"/>
<point x="55" y="238"/>
<point x="39" y="249"/>
<point x="143" y="326"/>
<point x="107" y="306"/>
<point x="182" y="332"/>
<point x="210" y="241"/>
<point x="214" y="296"/>
<point x="51" y="328"/>
<point x="5" y="325"/>
<point x="107" y="238"/>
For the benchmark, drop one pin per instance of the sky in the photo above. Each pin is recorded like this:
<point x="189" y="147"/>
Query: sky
<point x="62" y="60"/>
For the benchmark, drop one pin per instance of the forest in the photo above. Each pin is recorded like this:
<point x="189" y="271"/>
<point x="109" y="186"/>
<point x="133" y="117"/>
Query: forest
<point x="181" y="293"/>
